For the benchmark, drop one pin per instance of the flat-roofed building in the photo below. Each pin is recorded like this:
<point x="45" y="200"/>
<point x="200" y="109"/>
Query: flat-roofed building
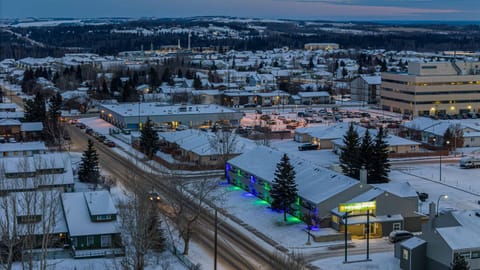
<point x="133" y="115"/>
<point x="434" y="88"/>
<point x="321" y="46"/>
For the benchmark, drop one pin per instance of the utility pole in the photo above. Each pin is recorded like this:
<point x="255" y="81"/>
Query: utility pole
<point x="215" y="244"/>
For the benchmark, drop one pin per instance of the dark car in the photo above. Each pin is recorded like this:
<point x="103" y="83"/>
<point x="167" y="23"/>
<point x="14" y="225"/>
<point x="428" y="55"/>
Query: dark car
<point x="109" y="143"/>
<point x="308" y="146"/>
<point x="80" y="125"/>
<point x="397" y="236"/>
<point x="154" y="196"/>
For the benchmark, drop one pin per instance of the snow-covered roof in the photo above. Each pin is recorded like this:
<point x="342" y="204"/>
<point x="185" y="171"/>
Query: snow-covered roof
<point x="12" y="115"/>
<point x="372" y="79"/>
<point x="100" y="203"/>
<point x="403" y="190"/>
<point x="438" y="127"/>
<point x="78" y="218"/>
<point x="315" y="184"/>
<point x="466" y="235"/>
<point x="313" y="94"/>
<point x="9" y="122"/>
<point x="36" y="163"/>
<point x="23" y="146"/>
<point x="154" y="109"/>
<point x="30" y="203"/>
<point x="413" y="243"/>
<point x="200" y="142"/>
<point x="8" y="106"/>
<point x="31" y="126"/>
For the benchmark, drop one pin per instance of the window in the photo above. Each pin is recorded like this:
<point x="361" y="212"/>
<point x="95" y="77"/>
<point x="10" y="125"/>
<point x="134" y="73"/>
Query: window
<point x="106" y="241"/>
<point x="475" y="254"/>
<point x="405" y="254"/>
<point x="465" y="254"/>
<point x="397" y="226"/>
<point x="104" y="217"/>
<point x="89" y="241"/>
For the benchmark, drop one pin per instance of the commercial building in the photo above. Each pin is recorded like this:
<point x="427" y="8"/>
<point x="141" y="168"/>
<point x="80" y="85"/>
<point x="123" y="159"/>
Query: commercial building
<point x="321" y="46"/>
<point x="366" y="89"/>
<point x="434" y="88"/>
<point x="133" y="115"/>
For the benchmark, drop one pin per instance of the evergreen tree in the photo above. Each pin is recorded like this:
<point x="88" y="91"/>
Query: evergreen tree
<point x="284" y="187"/>
<point x="105" y="92"/>
<point x="179" y="73"/>
<point x="366" y="151"/>
<point x="78" y="74"/>
<point x="349" y="157"/>
<point x="459" y="263"/>
<point x="153" y="79"/>
<point x="55" y="107"/>
<point x="89" y="170"/>
<point x="115" y="84"/>
<point x="53" y="118"/>
<point x="35" y="109"/>
<point x="166" y="76"/>
<point x="310" y="63"/>
<point x="197" y="83"/>
<point x="149" y="139"/>
<point x="380" y="167"/>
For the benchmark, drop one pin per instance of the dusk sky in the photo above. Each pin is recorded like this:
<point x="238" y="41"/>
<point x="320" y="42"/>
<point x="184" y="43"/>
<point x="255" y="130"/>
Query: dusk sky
<point x="298" y="9"/>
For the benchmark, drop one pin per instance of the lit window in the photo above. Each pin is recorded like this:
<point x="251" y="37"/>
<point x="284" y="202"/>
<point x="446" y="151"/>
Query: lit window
<point x="405" y="254"/>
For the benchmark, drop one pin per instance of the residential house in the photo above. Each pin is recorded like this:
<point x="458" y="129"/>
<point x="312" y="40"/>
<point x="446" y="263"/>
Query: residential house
<point x="33" y="213"/>
<point x="22" y="149"/>
<point x="91" y="219"/>
<point x="40" y="171"/>
<point x="446" y="234"/>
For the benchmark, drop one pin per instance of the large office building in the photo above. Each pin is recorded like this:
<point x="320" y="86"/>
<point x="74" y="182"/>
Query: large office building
<point x="133" y="115"/>
<point x="434" y="88"/>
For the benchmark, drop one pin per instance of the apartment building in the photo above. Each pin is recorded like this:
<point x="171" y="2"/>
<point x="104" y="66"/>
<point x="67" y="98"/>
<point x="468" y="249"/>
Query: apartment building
<point x="433" y="88"/>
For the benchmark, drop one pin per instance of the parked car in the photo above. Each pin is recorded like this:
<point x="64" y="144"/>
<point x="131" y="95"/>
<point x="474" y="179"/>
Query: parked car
<point x="109" y="143"/>
<point x="308" y="146"/>
<point x="400" y="235"/>
<point x="80" y="125"/>
<point x="89" y="131"/>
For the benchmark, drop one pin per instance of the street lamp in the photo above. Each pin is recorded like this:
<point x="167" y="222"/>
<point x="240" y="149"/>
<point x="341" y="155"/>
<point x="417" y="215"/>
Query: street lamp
<point x="438" y="201"/>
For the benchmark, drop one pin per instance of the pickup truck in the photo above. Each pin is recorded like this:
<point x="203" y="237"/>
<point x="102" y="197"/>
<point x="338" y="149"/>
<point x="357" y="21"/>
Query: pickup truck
<point x="470" y="162"/>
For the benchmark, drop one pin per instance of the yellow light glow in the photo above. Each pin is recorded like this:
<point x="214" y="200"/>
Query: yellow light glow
<point x="452" y="108"/>
<point x="360" y="206"/>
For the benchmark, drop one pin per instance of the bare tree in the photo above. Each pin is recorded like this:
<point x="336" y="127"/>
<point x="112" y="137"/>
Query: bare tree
<point x="29" y="226"/>
<point x="140" y="227"/>
<point x="224" y="143"/>
<point x="188" y="206"/>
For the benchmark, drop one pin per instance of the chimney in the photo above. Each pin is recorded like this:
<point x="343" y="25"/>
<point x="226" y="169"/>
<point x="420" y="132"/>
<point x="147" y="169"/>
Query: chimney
<point x="363" y="176"/>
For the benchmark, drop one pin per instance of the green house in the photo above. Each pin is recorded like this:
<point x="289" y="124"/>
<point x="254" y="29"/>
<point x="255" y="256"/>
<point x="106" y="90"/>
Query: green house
<point x="92" y="224"/>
